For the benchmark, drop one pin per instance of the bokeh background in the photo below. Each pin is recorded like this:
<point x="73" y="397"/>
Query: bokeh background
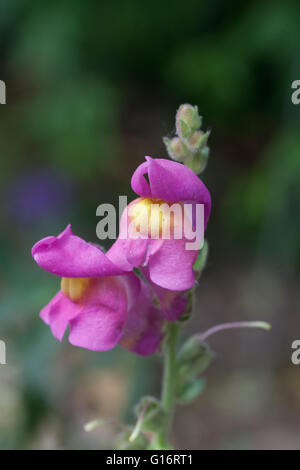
<point x="91" y="88"/>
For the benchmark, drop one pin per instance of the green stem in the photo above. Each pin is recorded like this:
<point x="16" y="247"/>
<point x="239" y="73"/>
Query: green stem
<point x="168" y="385"/>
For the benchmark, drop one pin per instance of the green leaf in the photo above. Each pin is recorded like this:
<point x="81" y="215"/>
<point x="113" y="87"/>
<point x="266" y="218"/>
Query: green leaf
<point x="190" y="390"/>
<point x="184" y="131"/>
<point x="193" y="358"/>
<point x="201" y="258"/>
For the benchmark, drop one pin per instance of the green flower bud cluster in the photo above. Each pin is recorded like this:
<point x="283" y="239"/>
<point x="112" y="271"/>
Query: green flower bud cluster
<point x="190" y="144"/>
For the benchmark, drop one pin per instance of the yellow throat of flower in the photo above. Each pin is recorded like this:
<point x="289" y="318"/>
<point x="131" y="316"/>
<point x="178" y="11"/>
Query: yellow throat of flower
<point x="75" y="287"/>
<point x="155" y="217"/>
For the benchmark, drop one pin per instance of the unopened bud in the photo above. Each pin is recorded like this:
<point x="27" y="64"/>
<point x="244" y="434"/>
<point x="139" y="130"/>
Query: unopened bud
<point x="151" y="414"/>
<point x="190" y="390"/>
<point x="198" y="140"/>
<point x="177" y="150"/>
<point x="187" y="120"/>
<point x="193" y="358"/>
<point x="198" y="161"/>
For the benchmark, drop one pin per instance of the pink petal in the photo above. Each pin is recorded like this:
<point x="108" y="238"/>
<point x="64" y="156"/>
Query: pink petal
<point x="68" y="255"/>
<point x="117" y="255"/>
<point x="57" y="314"/>
<point x="127" y="252"/>
<point x="172" y="303"/>
<point x="132" y="284"/>
<point x="142" y="330"/>
<point x="171" y="182"/>
<point x="138" y="181"/>
<point x="171" y="267"/>
<point x="100" y="323"/>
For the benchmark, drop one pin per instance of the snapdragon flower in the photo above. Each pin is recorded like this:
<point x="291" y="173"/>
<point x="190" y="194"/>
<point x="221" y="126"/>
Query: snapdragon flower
<point x="102" y="303"/>
<point x="167" y="263"/>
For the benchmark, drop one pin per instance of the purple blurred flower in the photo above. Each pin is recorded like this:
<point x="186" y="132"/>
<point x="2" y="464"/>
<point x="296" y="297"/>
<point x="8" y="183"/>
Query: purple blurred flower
<point x="38" y="194"/>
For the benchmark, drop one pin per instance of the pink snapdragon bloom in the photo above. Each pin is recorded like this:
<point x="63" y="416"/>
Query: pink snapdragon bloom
<point x="166" y="263"/>
<point x="101" y="303"/>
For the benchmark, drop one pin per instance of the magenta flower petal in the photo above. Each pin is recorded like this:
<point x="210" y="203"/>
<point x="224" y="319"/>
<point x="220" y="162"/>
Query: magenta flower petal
<point x="172" y="182"/>
<point x="136" y="250"/>
<point x="171" y="267"/>
<point x="132" y="284"/>
<point x="68" y="255"/>
<point x="58" y="313"/>
<point x="100" y="323"/>
<point x="127" y="252"/>
<point x="97" y="321"/>
<point x="117" y="255"/>
<point x="172" y="303"/>
<point x="138" y="181"/>
<point x="142" y="330"/>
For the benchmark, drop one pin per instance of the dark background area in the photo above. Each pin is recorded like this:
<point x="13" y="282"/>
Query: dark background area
<point x="92" y="87"/>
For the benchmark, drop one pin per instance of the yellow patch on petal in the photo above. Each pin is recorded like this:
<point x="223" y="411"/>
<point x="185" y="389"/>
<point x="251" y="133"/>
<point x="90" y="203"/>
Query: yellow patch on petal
<point x="156" y="218"/>
<point x="75" y="287"/>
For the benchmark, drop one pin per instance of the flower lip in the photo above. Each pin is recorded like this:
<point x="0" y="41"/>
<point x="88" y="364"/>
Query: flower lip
<point x="113" y="308"/>
<point x="68" y="255"/>
<point x="170" y="181"/>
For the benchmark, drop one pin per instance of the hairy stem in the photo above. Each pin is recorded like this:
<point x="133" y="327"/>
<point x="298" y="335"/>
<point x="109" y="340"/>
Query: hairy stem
<point x="168" y="385"/>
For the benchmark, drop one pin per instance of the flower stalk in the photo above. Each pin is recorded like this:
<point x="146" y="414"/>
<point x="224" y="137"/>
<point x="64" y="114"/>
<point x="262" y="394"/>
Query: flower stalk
<point x="161" y="440"/>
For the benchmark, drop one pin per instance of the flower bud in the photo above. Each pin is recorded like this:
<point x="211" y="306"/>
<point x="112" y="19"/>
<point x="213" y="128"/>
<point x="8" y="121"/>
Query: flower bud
<point x="198" y="140"/>
<point x="198" y="161"/>
<point x="190" y="390"/>
<point x="193" y="358"/>
<point x="177" y="150"/>
<point x="152" y="414"/>
<point x="187" y="121"/>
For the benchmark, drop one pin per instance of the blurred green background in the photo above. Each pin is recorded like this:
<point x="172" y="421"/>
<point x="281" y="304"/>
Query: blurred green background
<point x="91" y="88"/>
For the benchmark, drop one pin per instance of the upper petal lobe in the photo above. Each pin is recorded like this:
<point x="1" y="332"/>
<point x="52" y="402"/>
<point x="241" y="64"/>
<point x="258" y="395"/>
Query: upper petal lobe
<point x="170" y="181"/>
<point x="68" y="255"/>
